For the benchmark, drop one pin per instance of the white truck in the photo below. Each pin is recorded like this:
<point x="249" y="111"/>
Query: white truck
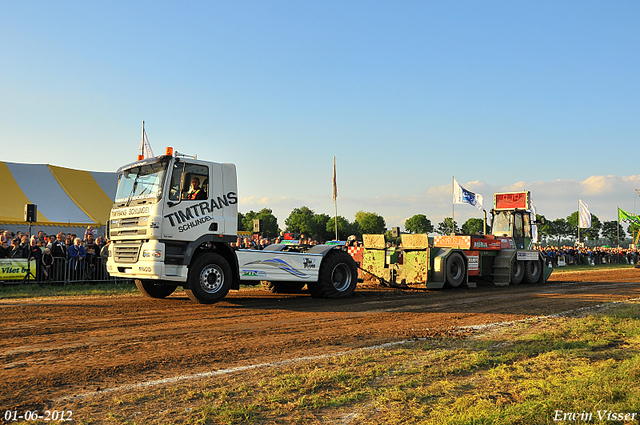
<point x="164" y="234"/>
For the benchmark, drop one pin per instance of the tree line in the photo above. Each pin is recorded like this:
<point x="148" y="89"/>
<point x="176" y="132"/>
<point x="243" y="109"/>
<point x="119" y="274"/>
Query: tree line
<point x="321" y="226"/>
<point x="567" y="228"/>
<point x="318" y="226"/>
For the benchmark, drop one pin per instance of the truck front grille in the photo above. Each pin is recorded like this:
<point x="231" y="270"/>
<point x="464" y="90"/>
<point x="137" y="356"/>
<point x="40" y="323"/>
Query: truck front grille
<point x="129" y="221"/>
<point x="129" y="226"/>
<point x="127" y="252"/>
<point x="128" y="232"/>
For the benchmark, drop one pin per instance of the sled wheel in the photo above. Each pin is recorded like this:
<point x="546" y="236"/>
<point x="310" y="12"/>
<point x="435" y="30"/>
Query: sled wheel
<point x="455" y="270"/>
<point x="517" y="272"/>
<point x="532" y="271"/>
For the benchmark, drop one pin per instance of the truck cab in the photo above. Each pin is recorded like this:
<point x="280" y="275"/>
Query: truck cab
<point x="172" y="223"/>
<point x="159" y="218"/>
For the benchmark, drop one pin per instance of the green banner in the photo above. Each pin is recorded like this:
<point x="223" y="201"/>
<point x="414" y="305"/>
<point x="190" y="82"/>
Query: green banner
<point x="627" y="217"/>
<point x="15" y="269"/>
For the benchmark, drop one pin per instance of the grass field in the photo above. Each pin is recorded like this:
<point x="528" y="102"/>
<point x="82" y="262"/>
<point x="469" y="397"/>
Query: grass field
<point x="538" y="372"/>
<point x="35" y="290"/>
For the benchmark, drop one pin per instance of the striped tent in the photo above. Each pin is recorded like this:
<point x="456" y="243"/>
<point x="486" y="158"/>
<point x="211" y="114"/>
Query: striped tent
<point x="64" y="197"/>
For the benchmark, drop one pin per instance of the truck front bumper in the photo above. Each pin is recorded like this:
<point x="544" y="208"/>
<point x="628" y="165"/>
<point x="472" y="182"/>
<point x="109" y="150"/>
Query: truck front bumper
<point x="151" y="270"/>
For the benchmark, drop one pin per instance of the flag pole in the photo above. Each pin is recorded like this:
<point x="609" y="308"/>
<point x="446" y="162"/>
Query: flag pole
<point x="618" y="228"/>
<point x="336" y="219"/>
<point x="142" y="139"/>
<point x="335" y="197"/>
<point x="578" y="220"/>
<point x="453" y="205"/>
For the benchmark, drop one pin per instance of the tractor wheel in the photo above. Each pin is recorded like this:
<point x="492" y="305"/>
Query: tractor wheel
<point x="517" y="272"/>
<point x="154" y="290"/>
<point x="338" y="276"/>
<point x="532" y="271"/>
<point x="455" y="270"/>
<point x="283" y="287"/>
<point x="209" y="279"/>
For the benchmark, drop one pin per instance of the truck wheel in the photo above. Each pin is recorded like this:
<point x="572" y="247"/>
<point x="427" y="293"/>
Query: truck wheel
<point x="283" y="287"/>
<point x="209" y="279"/>
<point x="338" y="276"/>
<point x="153" y="290"/>
<point x="517" y="272"/>
<point x="532" y="271"/>
<point x="455" y="270"/>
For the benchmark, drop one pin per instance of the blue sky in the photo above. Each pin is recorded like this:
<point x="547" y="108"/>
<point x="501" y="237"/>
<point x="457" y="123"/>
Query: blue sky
<point x="504" y="95"/>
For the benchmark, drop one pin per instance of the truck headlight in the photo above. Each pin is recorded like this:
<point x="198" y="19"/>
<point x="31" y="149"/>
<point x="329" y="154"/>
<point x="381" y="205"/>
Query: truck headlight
<point x="151" y="253"/>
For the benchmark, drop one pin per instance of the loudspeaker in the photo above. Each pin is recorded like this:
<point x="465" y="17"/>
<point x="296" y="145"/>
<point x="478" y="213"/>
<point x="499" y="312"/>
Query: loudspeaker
<point x="30" y="213"/>
<point x="395" y="232"/>
<point x="257" y="225"/>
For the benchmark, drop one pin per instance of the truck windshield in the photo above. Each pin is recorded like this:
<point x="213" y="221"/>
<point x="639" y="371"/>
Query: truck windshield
<point x="501" y="225"/>
<point x="140" y="185"/>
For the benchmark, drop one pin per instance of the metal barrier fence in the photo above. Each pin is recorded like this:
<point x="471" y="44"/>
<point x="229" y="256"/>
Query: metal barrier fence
<point x="64" y="271"/>
<point x="597" y="258"/>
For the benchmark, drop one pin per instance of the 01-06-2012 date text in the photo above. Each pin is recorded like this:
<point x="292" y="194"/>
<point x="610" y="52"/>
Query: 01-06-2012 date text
<point x="33" y="415"/>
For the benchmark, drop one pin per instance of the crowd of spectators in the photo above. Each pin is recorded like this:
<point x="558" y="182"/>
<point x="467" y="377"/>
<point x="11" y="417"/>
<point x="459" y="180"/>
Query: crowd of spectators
<point x="262" y="242"/>
<point x="586" y="255"/>
<point x="79" y="253"/>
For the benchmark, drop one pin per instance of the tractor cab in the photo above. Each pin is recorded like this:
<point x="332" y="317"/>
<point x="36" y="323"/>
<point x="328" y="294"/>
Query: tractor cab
<point x="511" y="218"/>
<point x="515" y="224"/>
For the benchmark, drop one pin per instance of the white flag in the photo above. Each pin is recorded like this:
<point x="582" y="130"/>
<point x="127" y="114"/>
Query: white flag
<point x="464" y="196"/>
<point x="534" y="227"/>
<point x="145" y="146"/>
<point x="584" y="216"/>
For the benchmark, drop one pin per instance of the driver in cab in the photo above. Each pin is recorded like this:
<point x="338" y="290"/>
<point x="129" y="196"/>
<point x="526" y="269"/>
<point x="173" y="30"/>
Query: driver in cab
<point x="195" y="191"/>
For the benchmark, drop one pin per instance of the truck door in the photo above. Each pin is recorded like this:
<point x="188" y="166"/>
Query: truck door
<point x="192" y="209"/>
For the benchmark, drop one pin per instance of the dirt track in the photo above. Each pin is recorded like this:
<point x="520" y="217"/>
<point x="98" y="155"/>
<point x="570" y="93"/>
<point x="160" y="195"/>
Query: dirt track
<point x="56" y="347"/>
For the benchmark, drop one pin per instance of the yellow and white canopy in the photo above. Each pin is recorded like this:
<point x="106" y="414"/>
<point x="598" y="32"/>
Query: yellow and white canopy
<point x="63" y="196"/>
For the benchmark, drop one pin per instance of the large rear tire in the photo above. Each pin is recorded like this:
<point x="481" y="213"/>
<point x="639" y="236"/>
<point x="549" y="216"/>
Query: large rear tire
<point x="517" y="272"/>
<point x="532" y="271"/>
<point x="209" y="279"/>
<point x="338" y="276"/>
<point x="283" y="287"/>
<point x="455" y="270"/>
<point x="154" y="290"/>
